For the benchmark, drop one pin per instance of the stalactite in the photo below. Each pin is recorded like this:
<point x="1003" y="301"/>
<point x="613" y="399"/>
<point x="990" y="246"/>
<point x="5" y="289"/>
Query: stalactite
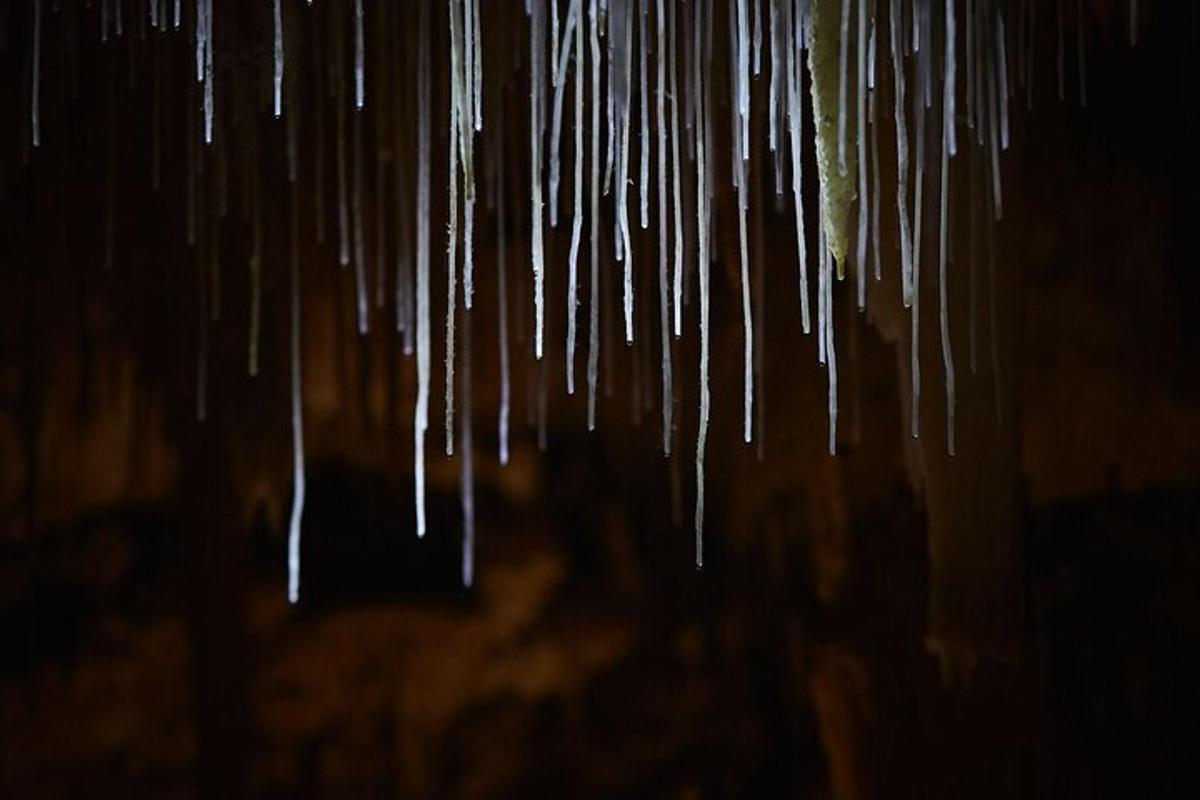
<point x="1002" y="77"/>
<point x="861" y="114"/>
<point x="277" y="18"/>
<point x="577" y="215"/>
<point x="536" y="128"/>
<point x="318" y="98"/>
<point x="898" y="86"/>
<point x="703" y="264"/>
<point x="794" y="59"/>
<point x="502" y="295"/>
<point x="948" y="125"/>
<point x="738" y="41"/>
<point x="255" y="258"/>
<point x="343" y="203"/>
<point x="843" y="80"/>
<point x="644" y="129"/>
<point x="360" y="257"/>
<point x="560" y="64"/>
<point x="664" y="310"/>
<point x="35" y="71"/>
<point x="421" y="412"/>
<point x="359" y="57"/>
<point x="676" y="192"/>
<point x="466" y="482"/>
<point x="452" y="149"/>
<point x="831" y="355"/>
<point x="297" y="513"/>
<point x="621" y="37"/>
<point x="1080" y="50"/>
<point x="594" y="217"/>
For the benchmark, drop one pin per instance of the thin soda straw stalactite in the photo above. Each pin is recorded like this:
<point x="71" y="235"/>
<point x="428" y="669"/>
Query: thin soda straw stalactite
<point x="343" y="207"/>
<point x="466" y="140"/>
<point x="277" y="19"/>
<point x="421" y="412"/>
<point x="594" y="210"/>
<point x="35" y="91"/>
<point x="1002" y="76"/>
<point x="577" y="215"/>
<point x="743" y="76"/>
<point x="644" y="111"/>
<point x="843" y="81"/>
<point x="359" y="57"/>
<point x="208" y="73"/>
<point x="453" y="151"/>
<point x="737" y="46"/>
<point x="831" y="355"/>
<point x="703" y="269"/>
<point x="864" y="206"/>
<point x="560" y="65"/>
<point x="794" y="44"/>
<point x="502" y="422"/>
<point x="477" y="76"/>
<point x="898" y="87"/>
<point x="361" y="291"/>
<point x="297" y="384"/>
<point x="873" y="119"/>
<point x="677" y="194"/>
<point x="536" y="126"/>
<point x="944" y="228"/>
<point x="622" y="23"/>
<point x="466" y="481"/>
<point x="664" y="310"/>
<point x="255" y="257"/>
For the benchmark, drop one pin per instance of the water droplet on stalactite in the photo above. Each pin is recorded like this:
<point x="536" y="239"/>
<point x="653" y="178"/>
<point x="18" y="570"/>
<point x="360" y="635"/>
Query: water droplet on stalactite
<point x="594" y="210"/>
<point x="421" y="412"/>
<point x="177" y="20"/>
<point x="664" y="308"/>
<point x="277" y="18"/>
<point x="297" y="512"/>
<point x="537" y="35"/>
